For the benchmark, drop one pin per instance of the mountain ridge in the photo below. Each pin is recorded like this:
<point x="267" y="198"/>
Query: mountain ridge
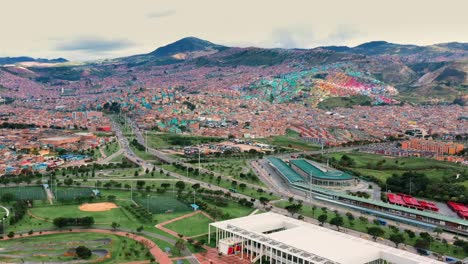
<point x="19" y="59"/>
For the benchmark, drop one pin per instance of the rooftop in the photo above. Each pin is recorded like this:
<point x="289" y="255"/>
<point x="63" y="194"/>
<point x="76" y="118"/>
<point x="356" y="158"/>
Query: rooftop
<point x="287" y="172"/>
<point x="315" y="242"/>
<point x="308" y="168"/>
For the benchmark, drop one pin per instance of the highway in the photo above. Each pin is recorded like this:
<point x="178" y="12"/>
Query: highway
<point x="268" y="176"/>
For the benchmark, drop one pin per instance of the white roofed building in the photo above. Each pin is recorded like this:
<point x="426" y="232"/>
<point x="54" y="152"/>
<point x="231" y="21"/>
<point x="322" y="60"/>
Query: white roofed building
<point x="281" y="239"/>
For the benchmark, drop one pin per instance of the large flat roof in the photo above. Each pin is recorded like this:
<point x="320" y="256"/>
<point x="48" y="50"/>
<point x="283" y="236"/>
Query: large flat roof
<point x="321" y="244"/>
<point x="308" y="168"/>
<point x="286" y="171"/>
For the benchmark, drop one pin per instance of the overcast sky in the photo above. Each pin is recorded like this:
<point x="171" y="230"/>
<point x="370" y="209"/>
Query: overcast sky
<point x="93" y="29"/>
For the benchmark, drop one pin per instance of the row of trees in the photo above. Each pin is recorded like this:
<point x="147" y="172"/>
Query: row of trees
<point x="86" y="221"/>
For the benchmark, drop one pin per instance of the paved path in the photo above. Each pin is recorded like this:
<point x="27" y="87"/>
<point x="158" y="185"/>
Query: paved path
<point x="103" y="154"/>
<point x="254" y="212"/>
<point x="111" y="157"/>
<point x="7" y="212"/>
<point x="211" y="257"/>
<point x="50" y="195"/>
<point x="155" y="251"/>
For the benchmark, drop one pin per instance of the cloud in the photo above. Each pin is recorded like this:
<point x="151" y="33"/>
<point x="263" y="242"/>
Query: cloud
<point x="310" y="37"/>
<point x="289" y="38"/>
<point x="160" y="14"/>
<point x="341" y="35"/>
<point x="94" y="44"/>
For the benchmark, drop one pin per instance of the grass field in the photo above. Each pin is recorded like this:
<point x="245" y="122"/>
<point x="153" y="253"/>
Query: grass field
<point x="165" y="140"/>
<point x="25" y="192"/>
<point x="118" y="158"/>
<point x="71" y="193"/>
<point x="289" y="141"/>
<point x="159" y="204"/>
<point x="111" y="148"/>
<point x="102" y="218"/>
<point x="367" y="165"/>
<point x="51" y="248"/>
<point x="232" y="167"/>
<point x="191" y="226"/>
<point x="222" y="183"/>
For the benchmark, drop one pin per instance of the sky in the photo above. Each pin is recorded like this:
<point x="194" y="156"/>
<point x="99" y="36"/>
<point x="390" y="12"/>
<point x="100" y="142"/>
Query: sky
<point x="82" y="30"/>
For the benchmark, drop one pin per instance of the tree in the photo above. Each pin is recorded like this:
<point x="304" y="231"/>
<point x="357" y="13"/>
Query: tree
<point x="293" y="208"/>
<point x="426" y="236"/>
<point x="115" y="225"/>
<point x="375" y="232"/>
<point x="60" y="222"/>
<point x="397" y="239"/>
<point x="196" y="186"/>
<point x="291" y="199"/>
<point x="313" y="210"/>
<point x="83" y="252"/>
<point x="180" y="185"/>
<point x="350" y="216"/>
<point x="11" y="234"/>
<point x="7" y="198"/>
<point x="422" y="244"/>
<point x="438" y="231"/>
<point x="337" y="221"/>
<point x="322" y="218"/>
<point x="410" y="233"/>
<point x="264" y="201"/>
<point x="180" y="244"/>
<point x="140" y="184"/>
<point x="242" y="186"/>
<point x="165" y="185"/>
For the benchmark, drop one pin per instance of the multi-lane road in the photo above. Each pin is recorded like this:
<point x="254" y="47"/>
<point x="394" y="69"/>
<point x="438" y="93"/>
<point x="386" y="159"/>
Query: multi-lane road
<point x="274" y="182"/>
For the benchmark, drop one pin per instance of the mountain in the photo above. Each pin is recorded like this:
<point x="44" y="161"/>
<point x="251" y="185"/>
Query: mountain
<point x="380" y="70"/>
<point x="189" y="44"/>
<point x="413" y="53"/>
<point x="14" y="60"/>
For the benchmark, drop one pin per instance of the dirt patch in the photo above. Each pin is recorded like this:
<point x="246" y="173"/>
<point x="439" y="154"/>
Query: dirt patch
<point x="97" y="207"/>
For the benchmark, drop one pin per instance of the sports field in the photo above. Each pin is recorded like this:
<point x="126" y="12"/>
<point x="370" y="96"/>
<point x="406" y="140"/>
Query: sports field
<point x="104" y="217"/>
<point x="159" y="204"/>
<point x="25" y="192"/>
<point x="191" y="226"/>
<point x="106" y="248"/>
<point x="71" y="193"/>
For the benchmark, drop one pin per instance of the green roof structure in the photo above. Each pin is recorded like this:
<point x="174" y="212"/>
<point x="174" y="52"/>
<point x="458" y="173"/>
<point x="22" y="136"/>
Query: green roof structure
<point x="286" y="171"/>
<point x="310" y="169"/>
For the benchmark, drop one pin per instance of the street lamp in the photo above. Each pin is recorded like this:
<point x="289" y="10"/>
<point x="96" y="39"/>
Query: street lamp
<point x="147" y="202"/>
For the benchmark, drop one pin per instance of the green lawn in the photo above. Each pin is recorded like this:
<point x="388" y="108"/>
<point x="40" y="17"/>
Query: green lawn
<point x="367" y="165"/>
<point x="118" y="158"/>
<point x="222" y="183"/>
<point x="235" y="210"/>
<point x="53" y="247"/>
<point x="96" y="154"/>
<point x="291" y="140"/>
<point x="165" y="140"/>
<point x="233" y="167"/>
<point x="102" y="218"/>
<point x="191" y="226"/>
<point x="111" y="148"/>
